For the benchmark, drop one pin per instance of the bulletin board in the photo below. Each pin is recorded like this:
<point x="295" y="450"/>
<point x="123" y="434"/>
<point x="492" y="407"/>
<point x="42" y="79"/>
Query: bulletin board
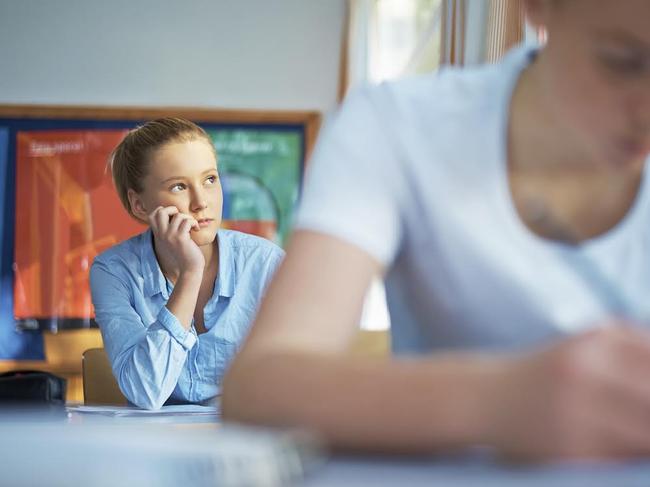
<point x="58" y="207"/>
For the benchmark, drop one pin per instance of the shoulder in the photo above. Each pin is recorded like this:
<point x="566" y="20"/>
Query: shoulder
<point x="124" y="255"/>
<point x="447" y="95"/>
<point x="381" y="126"/>
<point x="451" y="95"/>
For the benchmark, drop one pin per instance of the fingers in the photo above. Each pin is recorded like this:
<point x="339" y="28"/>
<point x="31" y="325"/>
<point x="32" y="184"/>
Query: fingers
<point x="187" y="224"/>
<point x="627" y="394"/>
<point x="610" y="392"/>
<point x="159" y="218"/>
<point x="171" y="230"/>
<point x="623" y="359"/>
<point x="181" y="224"/>
<point x="627" y="434"/>
<point x="169" y="220"/>
<point x="586" y="397"/>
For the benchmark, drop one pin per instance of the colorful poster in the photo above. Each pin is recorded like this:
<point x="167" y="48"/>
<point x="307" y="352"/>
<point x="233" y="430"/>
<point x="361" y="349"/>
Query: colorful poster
<point x="260" y="171"/>
<point x="67" y="212"/>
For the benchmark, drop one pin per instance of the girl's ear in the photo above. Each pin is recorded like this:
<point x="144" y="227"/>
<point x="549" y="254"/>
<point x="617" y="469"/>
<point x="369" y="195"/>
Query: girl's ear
<point x="138" y="208"/>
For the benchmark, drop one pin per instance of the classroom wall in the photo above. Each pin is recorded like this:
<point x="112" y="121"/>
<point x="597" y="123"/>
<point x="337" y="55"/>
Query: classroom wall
<point x="259" y="54"/>
<point x="240" y="54"/>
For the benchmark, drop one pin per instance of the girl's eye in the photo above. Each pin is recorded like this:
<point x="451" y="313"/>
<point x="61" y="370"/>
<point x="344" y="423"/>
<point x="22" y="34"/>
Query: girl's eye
<point x="211" y="179"/>
<point x="177" y="188"/>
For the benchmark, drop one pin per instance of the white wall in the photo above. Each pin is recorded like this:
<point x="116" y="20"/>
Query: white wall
<point x="265" y="54"/>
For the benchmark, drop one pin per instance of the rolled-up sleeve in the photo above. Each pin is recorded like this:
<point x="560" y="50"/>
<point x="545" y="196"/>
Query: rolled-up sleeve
<point x="175" y="329"/>
<point x="147" y="359"/>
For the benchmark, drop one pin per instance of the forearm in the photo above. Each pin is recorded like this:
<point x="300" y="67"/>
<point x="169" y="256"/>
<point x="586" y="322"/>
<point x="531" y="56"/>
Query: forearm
<point x="406" y="405"/>
<point x="182" y="300"/>
<point x="148" y="364"/>
<point x="147" y="358"/>
<point x="148" y="369"/>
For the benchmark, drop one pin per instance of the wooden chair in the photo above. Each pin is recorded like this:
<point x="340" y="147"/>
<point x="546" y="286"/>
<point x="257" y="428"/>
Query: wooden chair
<point x="372" y="343"/>
<point x="99" y="385"/>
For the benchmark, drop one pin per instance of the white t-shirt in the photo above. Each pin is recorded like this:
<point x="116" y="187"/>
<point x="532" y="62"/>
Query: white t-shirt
<point x="415" y="174"/>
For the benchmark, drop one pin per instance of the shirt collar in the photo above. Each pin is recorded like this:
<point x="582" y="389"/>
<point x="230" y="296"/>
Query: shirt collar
<point x="155" y="282"/>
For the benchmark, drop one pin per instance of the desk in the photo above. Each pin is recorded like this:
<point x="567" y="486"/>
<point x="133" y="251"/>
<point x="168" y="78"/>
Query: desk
<point x="104" y="451"/>
<point x="469" y="472"/>
<point x="49" y="449"/>
<point x="472" y="470"/>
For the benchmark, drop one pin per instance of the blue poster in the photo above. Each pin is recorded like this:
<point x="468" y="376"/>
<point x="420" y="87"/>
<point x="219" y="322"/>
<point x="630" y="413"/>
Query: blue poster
<point x="13" y="344"/>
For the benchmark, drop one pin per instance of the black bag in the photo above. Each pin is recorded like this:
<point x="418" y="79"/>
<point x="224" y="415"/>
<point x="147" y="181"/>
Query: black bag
<point x="32" y="387"/>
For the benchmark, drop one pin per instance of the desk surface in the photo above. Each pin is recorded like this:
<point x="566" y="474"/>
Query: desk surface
<point x="384" y="472"/>
<point x="50" y="450"/>
<point x="76" y="449"/>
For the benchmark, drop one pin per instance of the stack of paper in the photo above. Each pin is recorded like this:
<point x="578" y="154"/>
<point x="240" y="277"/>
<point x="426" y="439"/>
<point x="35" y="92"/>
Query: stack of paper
<point x="176" y="411"/>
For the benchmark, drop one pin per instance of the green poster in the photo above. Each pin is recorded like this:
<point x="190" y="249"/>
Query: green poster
<point x="260" y="172"/>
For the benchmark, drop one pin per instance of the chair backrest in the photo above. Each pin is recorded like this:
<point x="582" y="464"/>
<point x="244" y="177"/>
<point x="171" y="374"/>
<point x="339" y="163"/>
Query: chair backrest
<point x="100" y="386"/>
<point x="371" y="343"/>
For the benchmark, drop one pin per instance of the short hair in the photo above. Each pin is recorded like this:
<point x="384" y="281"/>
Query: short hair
<point x="129" y="161"/>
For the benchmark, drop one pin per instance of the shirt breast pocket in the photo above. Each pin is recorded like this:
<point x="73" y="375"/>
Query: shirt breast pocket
<point x="219" y="353"/>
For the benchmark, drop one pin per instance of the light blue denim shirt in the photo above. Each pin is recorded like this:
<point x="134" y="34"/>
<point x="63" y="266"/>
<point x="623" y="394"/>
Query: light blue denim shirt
<point x="154" y="359"/>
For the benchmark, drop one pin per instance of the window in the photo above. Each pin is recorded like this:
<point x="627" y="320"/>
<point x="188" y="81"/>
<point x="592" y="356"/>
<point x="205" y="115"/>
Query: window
<point x="393" y="38"/>
<point x="404" y="38"/>
<point x="390" y="39"/>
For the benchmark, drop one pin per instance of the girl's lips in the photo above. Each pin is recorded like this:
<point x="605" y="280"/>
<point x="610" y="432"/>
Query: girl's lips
<point x="205" y="222"/>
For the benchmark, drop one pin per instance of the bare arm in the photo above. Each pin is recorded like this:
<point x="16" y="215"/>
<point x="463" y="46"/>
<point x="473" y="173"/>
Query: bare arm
<point x="294" y="368"/>
<point x="585" y="397"/>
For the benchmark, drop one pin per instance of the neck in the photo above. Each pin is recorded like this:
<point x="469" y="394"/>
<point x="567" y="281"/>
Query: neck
<point x="171" y="271"/>
<point x="211" y="254"/>
<point x="540" y="143"/>
<point x="550" y="175"/>
<point x="533" y="144"/>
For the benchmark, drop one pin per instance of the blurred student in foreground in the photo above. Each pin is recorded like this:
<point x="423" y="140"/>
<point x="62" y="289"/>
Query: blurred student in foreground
<point x="508" y="209"/>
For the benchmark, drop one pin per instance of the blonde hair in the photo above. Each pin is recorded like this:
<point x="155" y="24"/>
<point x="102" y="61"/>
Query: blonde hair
<point x="129" y="161"/>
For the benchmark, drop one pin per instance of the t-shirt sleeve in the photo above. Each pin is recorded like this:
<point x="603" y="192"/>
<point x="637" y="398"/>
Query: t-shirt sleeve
<point x="354" y="186"/>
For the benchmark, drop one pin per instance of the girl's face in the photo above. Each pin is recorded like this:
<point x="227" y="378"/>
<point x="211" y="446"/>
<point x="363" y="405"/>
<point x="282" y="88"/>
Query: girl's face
<point x="595" y="75"/>
<point x="184" y="175"/>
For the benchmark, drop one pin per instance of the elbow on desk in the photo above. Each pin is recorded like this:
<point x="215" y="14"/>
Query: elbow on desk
<point x="141" y="396"/>
<point x="153" y="404"/>
<point x="144" y="401"/>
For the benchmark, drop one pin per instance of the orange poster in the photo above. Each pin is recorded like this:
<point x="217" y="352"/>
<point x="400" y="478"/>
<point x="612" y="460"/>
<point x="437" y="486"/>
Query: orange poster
<point x="67" y="212"/>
